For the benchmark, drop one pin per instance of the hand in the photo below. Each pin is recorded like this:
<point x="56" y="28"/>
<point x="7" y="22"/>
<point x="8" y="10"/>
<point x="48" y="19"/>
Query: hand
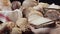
<point x="40" y="30"/>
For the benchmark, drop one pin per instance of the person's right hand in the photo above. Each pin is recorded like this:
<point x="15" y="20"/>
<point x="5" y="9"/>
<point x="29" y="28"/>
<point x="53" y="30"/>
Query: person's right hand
<point x="40" y="30"/>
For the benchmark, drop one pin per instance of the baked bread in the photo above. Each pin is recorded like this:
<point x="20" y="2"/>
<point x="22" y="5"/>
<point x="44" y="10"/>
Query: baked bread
<point x="52" y="14"/>
<point x="54" y="6"/>
<point x="36" y="18"/>
<point x="29" y="3"/>
<point x="16" y="30"/>
<point x="14" y="15"/>
<point x="16" y="5"/>
<point x="5" y="5"/>
<point x="22" y="24"/>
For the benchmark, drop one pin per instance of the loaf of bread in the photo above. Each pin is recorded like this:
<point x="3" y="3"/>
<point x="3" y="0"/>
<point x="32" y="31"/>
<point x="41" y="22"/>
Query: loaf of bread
<point x="14" y="15"/>
<point x="36" y="18"/>
<point x="16" y="30"/>
<point x="29" y="3"/>
<point x="22" y="23"/>
<point x="54" y="6"/>
<point x="16" y="5"/>
<point x="41" y="5"/>
<point x="5" y="5"/>
<point x="52" y="14"/>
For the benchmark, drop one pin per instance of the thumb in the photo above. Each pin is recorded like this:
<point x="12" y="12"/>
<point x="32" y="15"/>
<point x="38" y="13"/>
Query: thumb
<point x="32" y="28"/>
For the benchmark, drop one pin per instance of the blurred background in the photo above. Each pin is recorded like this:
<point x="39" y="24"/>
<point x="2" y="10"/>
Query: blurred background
<point x="57" y="2"/>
